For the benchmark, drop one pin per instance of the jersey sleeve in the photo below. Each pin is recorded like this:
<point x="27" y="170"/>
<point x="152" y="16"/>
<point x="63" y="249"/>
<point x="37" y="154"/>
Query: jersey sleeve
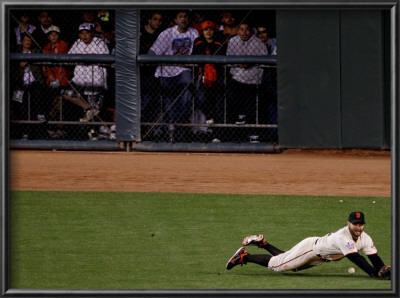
<point x="368" y="245"/>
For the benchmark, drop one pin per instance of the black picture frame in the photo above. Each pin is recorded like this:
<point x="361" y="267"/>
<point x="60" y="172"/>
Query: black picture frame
<point x="392" y="6"/>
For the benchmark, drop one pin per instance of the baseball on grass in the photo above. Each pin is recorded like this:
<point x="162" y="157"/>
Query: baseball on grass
<point x="351" y="270"/>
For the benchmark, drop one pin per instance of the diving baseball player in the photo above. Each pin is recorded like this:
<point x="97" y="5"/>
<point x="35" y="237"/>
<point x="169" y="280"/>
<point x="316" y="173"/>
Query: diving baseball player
<point x="313" y="251"/>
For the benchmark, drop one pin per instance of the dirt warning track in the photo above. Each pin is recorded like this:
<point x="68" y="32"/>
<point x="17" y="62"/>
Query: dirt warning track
<point x="292" y="172"/>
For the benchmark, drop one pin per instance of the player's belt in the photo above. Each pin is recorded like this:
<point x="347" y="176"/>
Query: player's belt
<point x="318" y="255"/>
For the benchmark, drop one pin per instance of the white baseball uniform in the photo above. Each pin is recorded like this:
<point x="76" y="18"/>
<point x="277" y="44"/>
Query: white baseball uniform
<point x="314" y="251"/>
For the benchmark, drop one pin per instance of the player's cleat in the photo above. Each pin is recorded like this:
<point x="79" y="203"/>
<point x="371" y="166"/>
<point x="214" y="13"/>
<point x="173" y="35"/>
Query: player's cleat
<point x="257" y="240"/>
<point x="237" y="258"/>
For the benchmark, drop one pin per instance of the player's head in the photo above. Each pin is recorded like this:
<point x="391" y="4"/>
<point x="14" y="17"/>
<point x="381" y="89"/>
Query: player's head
<point x="356" y="223"/>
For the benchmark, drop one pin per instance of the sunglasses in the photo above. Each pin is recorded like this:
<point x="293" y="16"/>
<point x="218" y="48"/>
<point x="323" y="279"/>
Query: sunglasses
<point x="262" y="32"/>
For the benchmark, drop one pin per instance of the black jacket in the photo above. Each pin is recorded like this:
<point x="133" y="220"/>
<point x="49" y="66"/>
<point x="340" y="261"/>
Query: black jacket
<point x="216" y="47"/>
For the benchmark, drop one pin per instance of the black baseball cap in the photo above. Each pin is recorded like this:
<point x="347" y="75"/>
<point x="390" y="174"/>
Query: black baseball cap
<point x="356" y="217"/>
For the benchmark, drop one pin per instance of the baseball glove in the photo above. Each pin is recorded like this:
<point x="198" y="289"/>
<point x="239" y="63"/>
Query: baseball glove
<point x="385" y="272"/>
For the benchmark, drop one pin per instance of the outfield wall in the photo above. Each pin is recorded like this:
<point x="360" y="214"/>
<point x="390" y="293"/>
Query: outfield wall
<point x="333" y="84"/>
<point x="333" y="80"/>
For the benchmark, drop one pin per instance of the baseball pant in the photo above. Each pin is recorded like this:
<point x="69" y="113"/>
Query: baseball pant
<point x="299" y="257"/>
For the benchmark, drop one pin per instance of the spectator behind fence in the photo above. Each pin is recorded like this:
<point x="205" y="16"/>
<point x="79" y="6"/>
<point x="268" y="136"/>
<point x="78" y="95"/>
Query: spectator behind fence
<point x="210" y="83"/>
<point x="102" y="21"/>
<point x="28" y="101"/>
<point x="150" y="31"/>
<point x="104" y="28"/>
<point x="89" y="81"/>
<point x="24" y="26"/>
<point x="268" y="88"/>
<point x="89" y="16"/>
<point x="242" y="92"/>
<point x="199" y="17"/>
<point x="228" y="26"/>
<point x="176" y="80"/>
<point x="57" y="77"/>
<point x="40" y="34"/>
<point x="148" y="35"/>
<point x="264" y="35"/>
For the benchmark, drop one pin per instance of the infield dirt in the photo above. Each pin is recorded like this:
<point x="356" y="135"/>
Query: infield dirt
<point x="292" y="172"/>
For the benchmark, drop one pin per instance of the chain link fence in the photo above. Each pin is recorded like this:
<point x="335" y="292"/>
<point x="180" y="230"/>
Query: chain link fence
<point x="53" y="100"/>
<point x="179" y="103"/>
<point x="225" y="112"/>
<point x="65" y="112"/>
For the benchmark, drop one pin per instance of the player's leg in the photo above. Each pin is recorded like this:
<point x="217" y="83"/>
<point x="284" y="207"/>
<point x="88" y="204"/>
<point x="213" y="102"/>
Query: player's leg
<point x="242" y="257"/>
<point x="259" y="240"/>
<point x="299" y="257"/>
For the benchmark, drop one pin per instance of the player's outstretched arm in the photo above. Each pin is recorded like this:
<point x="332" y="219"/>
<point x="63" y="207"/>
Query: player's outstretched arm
<point x="376" y="261"/>
<point x="361" y="262"/>
<point x="378" y="270"/>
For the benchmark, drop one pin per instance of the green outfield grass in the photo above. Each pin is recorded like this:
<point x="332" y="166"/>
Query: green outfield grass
<point x="121" y="240"/>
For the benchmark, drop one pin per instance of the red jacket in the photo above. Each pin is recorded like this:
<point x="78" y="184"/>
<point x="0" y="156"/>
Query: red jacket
<point x="59" y="72"/>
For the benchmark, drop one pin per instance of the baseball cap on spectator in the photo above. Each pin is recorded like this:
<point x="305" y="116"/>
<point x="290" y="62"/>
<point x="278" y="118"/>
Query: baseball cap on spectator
<point x="86" y="26"/>
<point x="208" y="24"/>
<point x="53" y="28"/>
<point x="356" y="217"/>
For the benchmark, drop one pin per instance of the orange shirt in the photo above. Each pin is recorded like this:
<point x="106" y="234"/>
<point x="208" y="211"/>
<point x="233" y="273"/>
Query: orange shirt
<point x="58" y="72"/>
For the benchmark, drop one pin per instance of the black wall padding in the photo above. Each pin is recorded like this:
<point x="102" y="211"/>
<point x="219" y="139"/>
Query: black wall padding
<point x="362" y="79"/>
<point x="333" y="79"/>
<point x="308" y="78"/>
<point x="127" y="91"/>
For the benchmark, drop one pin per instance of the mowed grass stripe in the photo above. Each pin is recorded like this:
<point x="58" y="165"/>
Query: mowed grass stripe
<point x="122" y="240"/>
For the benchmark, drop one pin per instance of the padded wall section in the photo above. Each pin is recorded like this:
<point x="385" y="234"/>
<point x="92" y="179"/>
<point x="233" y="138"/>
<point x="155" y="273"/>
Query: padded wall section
<point x="127" y="95"/>
<point x="308" y="78"/>
<point x="362" y="79"/>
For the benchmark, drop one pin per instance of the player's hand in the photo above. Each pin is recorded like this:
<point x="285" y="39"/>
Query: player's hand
<point x="385" y="272"/>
